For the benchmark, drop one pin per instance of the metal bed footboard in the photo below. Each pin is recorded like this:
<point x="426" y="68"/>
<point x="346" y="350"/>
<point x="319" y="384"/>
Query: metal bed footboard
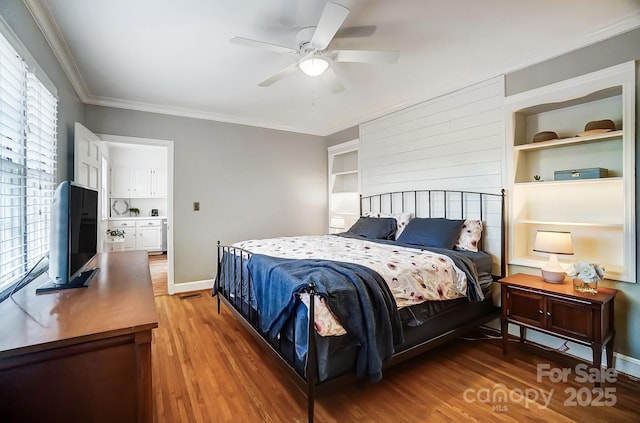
<point x="233" y="287"/>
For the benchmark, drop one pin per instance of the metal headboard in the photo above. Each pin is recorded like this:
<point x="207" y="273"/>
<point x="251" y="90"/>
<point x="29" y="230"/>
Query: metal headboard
<point x="450" y="204"/>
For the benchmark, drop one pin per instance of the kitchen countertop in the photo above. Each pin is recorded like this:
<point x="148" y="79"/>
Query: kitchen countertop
<point x="137" y="217"/>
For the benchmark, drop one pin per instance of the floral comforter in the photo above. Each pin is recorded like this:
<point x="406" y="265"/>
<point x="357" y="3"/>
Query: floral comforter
<point x="413" y="275"/>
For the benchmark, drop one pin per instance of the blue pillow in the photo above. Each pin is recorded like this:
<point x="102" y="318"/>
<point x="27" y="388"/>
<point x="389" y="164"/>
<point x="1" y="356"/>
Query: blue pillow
<point x="432" y="232"/>
<point x="375" y="227"/>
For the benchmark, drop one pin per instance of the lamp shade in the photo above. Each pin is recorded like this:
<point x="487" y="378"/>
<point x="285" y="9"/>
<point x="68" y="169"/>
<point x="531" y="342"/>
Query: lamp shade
<point x="337" y="222"/>
<point x="553" y="242"/>
<point x="313" y="65"/>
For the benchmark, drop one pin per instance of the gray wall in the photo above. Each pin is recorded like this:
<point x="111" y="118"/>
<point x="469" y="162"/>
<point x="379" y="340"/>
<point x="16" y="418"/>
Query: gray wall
<point x="70" y="108"/>
<point x="620" y="49"/>
<point x="343" y="136"/>
<point x="250" y="182"/>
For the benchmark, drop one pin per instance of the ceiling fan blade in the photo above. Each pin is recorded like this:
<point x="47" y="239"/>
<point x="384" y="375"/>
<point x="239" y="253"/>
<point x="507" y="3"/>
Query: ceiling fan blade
<point x="331" y="77"/>
<point x="278" y="76"/>
<point x="262" y="45"/>
<point x="331" y="20"/>
<point x="356" y="31"/>
<point x="365" y="56"/>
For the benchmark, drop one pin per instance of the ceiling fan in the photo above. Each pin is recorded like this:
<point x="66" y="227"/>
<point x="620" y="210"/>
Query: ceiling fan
<point x="313" y="42"/>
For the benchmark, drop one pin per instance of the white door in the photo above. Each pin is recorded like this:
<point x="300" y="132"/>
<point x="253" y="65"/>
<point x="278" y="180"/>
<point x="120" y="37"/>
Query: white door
<point x="86" y="157"/>
<point x="87" y="168"/>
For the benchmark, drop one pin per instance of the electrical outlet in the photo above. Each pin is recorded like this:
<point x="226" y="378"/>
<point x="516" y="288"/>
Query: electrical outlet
<point x="196" y="206"/>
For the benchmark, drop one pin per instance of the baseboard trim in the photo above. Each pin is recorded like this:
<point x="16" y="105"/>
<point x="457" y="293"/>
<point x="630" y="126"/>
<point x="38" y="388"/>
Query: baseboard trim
<point x="179" y="288"/>
<point x="627" y="365"/>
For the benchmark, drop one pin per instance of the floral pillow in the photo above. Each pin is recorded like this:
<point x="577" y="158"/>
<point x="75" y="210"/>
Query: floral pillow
<point x="470" y="235"/>
<point x="401" y="218"/>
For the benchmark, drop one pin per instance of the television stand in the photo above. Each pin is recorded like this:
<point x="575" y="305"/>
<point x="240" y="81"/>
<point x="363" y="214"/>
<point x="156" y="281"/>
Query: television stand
<point x="82" y="355"/>
<point x="82" y="280"/>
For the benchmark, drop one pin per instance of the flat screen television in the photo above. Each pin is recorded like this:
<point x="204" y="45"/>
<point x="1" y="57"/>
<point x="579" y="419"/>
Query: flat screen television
<point x="73" y="238"/>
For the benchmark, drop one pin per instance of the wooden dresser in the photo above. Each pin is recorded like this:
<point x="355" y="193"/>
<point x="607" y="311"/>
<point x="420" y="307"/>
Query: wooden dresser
<point x="85" y="353"/>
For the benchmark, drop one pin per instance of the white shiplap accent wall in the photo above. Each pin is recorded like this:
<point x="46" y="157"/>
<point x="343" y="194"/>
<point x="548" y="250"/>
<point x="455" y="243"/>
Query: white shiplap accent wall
<point x="455" y="141"/>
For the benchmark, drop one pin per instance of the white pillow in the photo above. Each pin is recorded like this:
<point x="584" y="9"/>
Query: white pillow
<point x="402" y="219"/>
<point x="470" y="235"/>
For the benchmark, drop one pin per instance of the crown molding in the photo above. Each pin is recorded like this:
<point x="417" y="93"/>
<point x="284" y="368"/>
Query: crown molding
<point x="194" y="114"/>
<point x="52" y="34"/>
<point x="624" y="24"/>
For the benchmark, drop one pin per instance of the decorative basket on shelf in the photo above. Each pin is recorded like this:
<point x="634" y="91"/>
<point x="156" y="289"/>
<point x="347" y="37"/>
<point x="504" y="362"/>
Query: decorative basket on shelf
<point x="585" y="276"/>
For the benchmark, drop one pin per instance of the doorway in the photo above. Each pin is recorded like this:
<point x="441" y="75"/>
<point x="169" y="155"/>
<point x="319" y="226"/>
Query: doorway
<point x="167" y="147"/>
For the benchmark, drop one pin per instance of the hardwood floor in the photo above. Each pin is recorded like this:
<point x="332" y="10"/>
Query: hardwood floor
<point x="158" y="268"/>
<point x="207" y="368"/>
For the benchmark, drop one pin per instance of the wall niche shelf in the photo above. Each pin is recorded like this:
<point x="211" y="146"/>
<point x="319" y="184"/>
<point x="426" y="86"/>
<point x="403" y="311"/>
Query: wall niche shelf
<point x="568" y="141"/>
<point x="344" y="183"/>
<point x="600" y="212"/>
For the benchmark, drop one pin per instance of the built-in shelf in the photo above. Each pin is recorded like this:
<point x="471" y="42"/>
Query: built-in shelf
<point x="568" y="141"/>
<point x="344" y="183"/>
<point x="599" y="212"/>
<point x="348" y="172"/>
<point x="586" y="224"/>
<point x="543" y="184"/>
<point x="613" y="272"/>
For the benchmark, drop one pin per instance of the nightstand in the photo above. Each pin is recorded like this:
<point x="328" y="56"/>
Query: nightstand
<point x="556" y="309"/>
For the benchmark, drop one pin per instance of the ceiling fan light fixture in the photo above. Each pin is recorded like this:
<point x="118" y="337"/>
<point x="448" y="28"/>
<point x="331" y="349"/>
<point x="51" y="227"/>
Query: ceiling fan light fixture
<point x="313" y="65"/>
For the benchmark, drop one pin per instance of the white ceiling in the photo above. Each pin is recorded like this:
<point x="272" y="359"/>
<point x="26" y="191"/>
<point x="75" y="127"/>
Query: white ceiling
<point x="174" y="57"/>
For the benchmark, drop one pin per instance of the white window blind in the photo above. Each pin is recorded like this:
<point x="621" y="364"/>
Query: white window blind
<point x="28" y="143"/>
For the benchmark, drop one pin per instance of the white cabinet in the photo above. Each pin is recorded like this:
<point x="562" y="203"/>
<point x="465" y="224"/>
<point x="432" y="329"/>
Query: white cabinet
<point x="149" y="235"/>
<point x="140" y="234"/>
<point x="129" y="228"/>
<point x="120" y="182"/>
<point x="158" y="183"/>
<point x="344" y="185"/>
<point x="127" y="182"/>
<point x="599" y="213"/>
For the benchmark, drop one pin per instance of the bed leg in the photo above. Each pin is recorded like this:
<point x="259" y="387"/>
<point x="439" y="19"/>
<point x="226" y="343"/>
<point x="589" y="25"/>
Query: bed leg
<point x="312" y="364"/>
<point x="217" y="281"/>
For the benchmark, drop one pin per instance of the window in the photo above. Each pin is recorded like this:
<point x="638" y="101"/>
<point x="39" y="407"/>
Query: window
<point x="28" y="132"/>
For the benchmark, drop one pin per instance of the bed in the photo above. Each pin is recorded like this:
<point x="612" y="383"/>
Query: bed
<point x="414" y="271"/>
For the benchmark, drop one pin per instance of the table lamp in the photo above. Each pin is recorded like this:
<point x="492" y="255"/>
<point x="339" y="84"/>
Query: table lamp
<point x="553" y="242"/>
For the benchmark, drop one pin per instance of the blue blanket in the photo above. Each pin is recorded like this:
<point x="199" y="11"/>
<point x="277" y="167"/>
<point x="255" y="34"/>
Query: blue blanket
<point x="357" y="295"/>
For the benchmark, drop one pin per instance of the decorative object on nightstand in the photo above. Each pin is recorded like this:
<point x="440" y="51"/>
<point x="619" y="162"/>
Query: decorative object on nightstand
<point x="585" y="276"/>
<point x="337" y="222"/>
<point x="553" y="242"/>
